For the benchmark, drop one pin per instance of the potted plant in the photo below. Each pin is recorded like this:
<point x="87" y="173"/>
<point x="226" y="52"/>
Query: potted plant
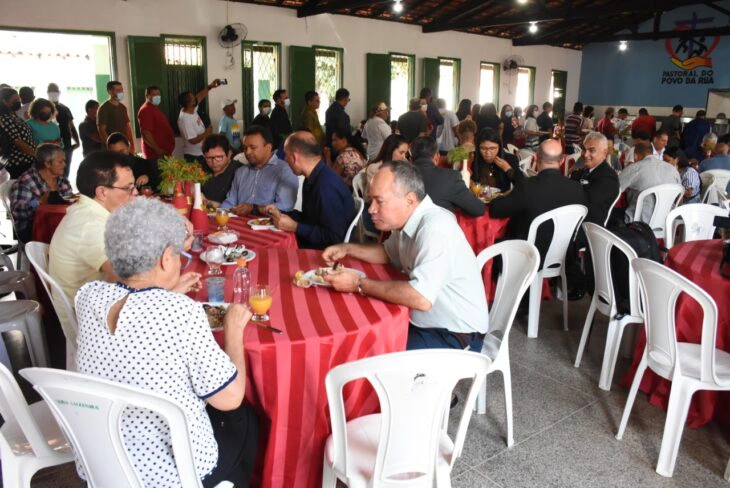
<point x="173" y="169"/>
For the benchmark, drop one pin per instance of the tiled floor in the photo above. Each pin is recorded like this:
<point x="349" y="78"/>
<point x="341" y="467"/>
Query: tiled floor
<point x="564" y="425"/>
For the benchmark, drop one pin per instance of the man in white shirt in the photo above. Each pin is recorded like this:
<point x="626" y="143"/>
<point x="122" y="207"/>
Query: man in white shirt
<point x="446" y="139"/>
<point x="444" y="290"/>
<point x="191" y="126"/>
<point x="659" y="143"/>
<point x="647" y="171"/>
<point x="376" y="130"/>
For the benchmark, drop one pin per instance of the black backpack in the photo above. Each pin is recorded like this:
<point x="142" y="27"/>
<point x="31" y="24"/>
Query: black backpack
<point x="641" y="238"/>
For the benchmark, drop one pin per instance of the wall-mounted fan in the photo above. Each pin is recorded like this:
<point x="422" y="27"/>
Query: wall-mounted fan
<point x="229" y="37"/>
<point x="512" y="63"/>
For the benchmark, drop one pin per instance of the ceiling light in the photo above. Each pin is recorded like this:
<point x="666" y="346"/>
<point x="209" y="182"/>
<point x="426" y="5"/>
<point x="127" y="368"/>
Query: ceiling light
<point x="623" y="45"/>
<point x="533" y="27"/>
<point x="397" y="7"/>
<point x="522" y="2"/>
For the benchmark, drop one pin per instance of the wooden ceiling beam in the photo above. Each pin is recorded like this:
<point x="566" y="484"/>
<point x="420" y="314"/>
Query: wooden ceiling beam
<point x="562" y="13"/>
<point x="335" y="6"/>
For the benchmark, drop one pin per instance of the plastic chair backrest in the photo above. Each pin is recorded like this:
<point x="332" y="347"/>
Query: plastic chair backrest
<point x="569" y="163"/>
<point x="520" y="261"/>
<point x="714" y="195"/>
<point x="512" y="149"/>
<point x="358" y="184"/>
<point x="698" y="222"/>
<point x="37" y="253"/>
<point x="359" y="204"/>
<point x="14" y="407"/>
<point x="5" y="194"/>
<point x="715" y="177"/>
<point x="666" y="197"/>
<point x="601" y="241"/>
<point x="610" y="209"/>
<point x="660" y="289"/>
<point x="90" y="409"/>
<point x="526" y="163"/>
<point x="414" y="389"/>
<point x="577" y="151"/>
<point x="566" y="220"/>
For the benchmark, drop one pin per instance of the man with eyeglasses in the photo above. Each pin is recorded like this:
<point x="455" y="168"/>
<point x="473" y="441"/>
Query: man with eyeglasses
<point x="217" y="153"/>
<point x="267" y="180"/>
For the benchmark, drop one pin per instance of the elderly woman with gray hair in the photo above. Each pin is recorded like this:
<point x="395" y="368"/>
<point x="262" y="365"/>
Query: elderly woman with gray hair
<point x="42" y="183"/>
<point x="140" y="332"/>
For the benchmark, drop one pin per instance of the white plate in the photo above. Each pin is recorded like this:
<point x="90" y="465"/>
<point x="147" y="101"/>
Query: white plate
<point x="216" y="240"/>
<point x="317" y="280"/>
<point x="214" y="304"/>
<point x="255" y="226"/>
<point x="248" y="254"/>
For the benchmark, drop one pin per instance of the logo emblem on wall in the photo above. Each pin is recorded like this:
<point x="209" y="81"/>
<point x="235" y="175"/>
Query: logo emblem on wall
<point x="690" y="53"/>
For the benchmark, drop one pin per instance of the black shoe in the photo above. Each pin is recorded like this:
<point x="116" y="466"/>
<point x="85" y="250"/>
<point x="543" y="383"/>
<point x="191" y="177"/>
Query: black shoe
<point x="576" y="294"/>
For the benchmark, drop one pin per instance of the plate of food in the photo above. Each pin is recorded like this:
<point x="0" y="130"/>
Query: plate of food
<point x="215" y="312"/>
<point x="262" y="223"/>
<point x="223" y="237"/>
<point x="231" y="255"/>
<point x="316" y="276"/>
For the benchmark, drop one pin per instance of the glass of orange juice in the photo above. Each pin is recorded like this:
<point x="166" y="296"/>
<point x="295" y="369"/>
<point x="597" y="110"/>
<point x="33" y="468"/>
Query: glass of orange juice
<point x="221" y="218"/>
<point x="260" y="301"/>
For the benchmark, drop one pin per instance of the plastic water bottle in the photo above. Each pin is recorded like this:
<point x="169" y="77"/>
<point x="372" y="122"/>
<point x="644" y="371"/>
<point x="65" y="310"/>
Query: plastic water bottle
<point x="241" y="282"/>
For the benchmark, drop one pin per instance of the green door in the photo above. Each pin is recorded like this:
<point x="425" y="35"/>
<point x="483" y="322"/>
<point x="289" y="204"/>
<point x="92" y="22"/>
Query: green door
<point x="147" y="67"/>
<point x="560" y="84"/>
<point x="431" y="76"/>
<point x="301" y="80"/>
<point x="378" y="80"/>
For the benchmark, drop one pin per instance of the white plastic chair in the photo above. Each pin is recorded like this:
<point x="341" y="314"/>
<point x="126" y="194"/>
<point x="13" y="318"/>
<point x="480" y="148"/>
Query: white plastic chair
<point x="610" y="209"/>
<point x="358" y="190"/>
<point x="566" y="220"/>
<point x="18" y="282"/>
<point x="24" y="316"/>
<point x="714" y="178"/>
<point x="601" y="242"/>
<point x="569" y="163"/>
<point x="17" y="246"/>
<point x="666" y="197"/>
<point x="715" y="196"/>
<point x="359" y="205"/>
<point x="727" y="471"/>
<point x="690" y="367"/>
<point x="512" y="149"/>
<point x="90" y="409"/>
<point x="37" y="253"/>
<point x="698" y="222"/>
<point x="520" y="261"/>
<point x="30" y="438"/>
<point x="577" y="151"/>
<point x="526" y="164"/>
<point x="406" y="445"/>
<point x="298" y="203"/>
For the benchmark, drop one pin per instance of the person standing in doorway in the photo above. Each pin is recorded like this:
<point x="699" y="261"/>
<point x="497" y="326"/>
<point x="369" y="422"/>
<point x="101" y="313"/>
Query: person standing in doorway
<point x="192" y="128"/>
<point x="65" y="120"/>
<point x="310" y="118"/>
<point x="112" y="115"/>
<point x="280" y="124"/>
<point x="228" y="125"/>
<point x="26" y="97"/>
<point x="158" y="138"/>
<point x="88" y="131"/>
<point x="336" y="119"/>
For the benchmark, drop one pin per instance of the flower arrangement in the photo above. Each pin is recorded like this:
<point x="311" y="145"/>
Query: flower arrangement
<point x="456" y="155"/>
<point x="173" y="170"/>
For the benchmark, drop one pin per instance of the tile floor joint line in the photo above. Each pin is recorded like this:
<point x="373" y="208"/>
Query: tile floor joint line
<point x="540" y="373"/>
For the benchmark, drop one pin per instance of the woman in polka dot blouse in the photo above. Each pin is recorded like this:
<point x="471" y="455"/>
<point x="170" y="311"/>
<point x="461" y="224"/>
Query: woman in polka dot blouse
<point x="141" y="333"/>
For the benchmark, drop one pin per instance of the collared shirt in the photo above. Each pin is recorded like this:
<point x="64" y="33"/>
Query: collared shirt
<point x="639" y="176"/>
<point x="376" y="130"/>
<point x="691" y="180"/>
<point x="443" y="271"/>
<point x="658" y="154"/>
<point x="77" y="250"/>
<point x="336" y="119"/>
<point x="327" y="209"/>
<point x="310" y="120"/>
<point x="272" y="183"/>
<point x="24" y="197"/>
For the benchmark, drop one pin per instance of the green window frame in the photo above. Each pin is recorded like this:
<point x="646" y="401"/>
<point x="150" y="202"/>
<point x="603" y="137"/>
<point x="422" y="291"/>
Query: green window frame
<point x="252" y="89"/>
<point x="322" y="84"/>
<point x="432" y="77"/>
<point x="531" y="86"/>
<point x="496" y="73"/>
<point x="381" y="72"/>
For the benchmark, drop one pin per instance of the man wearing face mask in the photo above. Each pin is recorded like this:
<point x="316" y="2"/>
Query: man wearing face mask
<point x="413" y="123"/>
<point x="262" y="119"/>
<point x="65" y="118"/>
<point x="158" y="139"/>
<point x="112" y="115"/>
<point x="280" y="124"/>
<point x="432" y="112"/>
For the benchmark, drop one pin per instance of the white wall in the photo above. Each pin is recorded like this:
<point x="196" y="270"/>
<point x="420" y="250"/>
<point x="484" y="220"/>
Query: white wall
<point x="357" y="36"/>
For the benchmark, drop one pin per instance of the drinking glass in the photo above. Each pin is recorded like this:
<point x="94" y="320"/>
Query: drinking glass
<point x="214" y="258"/>
<point x="216" y="289"/>
<point x="260" y="301"/>
<point x="221" y="218"/>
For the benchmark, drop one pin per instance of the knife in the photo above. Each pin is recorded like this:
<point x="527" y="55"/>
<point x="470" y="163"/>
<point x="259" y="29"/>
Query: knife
<point x="268" y="327"/>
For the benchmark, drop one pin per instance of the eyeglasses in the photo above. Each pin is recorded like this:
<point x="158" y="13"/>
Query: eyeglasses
<point x="185" y="259"/>
<point x="129" y="188"/>
<point x="215" y="159"/>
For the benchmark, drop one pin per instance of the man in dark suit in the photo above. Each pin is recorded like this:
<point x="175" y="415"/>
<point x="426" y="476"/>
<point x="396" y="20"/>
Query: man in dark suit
<point x="445" y="186"/>
<point x="532" y="197"/>
<point x="600" y="186"/>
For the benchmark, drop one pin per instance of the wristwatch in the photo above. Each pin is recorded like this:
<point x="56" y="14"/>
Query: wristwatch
<point x="359" y="286"/>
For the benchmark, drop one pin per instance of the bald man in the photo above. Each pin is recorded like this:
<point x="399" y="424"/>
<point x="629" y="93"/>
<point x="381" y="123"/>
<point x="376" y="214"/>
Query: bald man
<point x="531" y="197"/>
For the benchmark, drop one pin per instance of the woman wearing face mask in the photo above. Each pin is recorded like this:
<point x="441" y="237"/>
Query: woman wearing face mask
<point x="508" y="129"/>
<point x="16" y="134"/>
<point x="45" y="130"/>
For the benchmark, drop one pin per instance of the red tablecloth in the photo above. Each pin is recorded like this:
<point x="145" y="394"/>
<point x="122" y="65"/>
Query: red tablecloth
<point x="258" y="238"/>
<point x="699" y="261"/>
<point x="482" y="232"/>
<point x="46" y="219"/>
<point x="286" y="372"/>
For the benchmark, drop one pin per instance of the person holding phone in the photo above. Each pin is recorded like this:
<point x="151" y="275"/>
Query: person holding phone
<point x="493" y="166"/>
<point x="192" y="128"/>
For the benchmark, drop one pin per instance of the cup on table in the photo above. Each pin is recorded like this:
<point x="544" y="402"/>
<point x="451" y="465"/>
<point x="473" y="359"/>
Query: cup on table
<point x="221" y="218"/>
<point x="214" y="258"/>
<point x="216" y="289"/>
<point x="260" y="300"/>
<point x="197" y="244"/>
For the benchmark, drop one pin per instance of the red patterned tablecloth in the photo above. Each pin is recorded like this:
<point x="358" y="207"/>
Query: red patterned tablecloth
<point x="286" y="372"/>
<point x="46" y="219"/>
<point x="258" y="238"/>
<point x="699" y="261"/>
<point x="481" y="232"/>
